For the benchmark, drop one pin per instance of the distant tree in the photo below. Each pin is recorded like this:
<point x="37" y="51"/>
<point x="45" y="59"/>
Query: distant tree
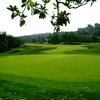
<point x="13" y="42"/>
<point x="3" y="42"/>
<point x="64" y="37"/>
<point x="41" y="39"/>
<point x="17" y="42"/>
<point x="59" y="17"/>
<point x="95" y="38"/>
<point x="81" y="31"/>
<point x="97" y="26"/>
<point x="97" y="29"/>
<point x="10" y="40"/>
<point x="7" y="42"/>
<point x="54" y="39"/>
<point x="34" y="40"/>
<point x="89" y="29"/>
<point x="70" y="38"/>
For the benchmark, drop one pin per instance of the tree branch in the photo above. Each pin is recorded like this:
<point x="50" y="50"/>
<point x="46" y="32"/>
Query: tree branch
<point x="72" y="7"/>
<point x="82" y="4"/>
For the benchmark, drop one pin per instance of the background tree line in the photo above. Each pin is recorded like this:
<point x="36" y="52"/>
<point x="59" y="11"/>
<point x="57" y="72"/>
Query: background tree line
<point x="7" y="42"/>
<point x="82" y="35"/>
<point x="87" y="34"/>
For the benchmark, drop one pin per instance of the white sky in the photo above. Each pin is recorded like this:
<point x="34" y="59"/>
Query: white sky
<point x="80" y="17"/>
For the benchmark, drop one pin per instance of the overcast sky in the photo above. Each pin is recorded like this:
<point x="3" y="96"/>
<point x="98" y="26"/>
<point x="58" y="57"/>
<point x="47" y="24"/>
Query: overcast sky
<point x="80" y="17"/>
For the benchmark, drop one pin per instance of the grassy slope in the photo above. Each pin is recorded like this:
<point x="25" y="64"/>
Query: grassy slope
<point x="58" y="71"/>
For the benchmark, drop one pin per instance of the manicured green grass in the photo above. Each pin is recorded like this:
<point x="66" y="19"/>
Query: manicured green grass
<point x="53" y="67"/>
<point x="51" y="72"/>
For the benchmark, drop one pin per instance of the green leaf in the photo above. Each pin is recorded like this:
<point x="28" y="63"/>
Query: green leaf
<point x="55" y="5"/>
<point x="31" y="3"/>
<point x="36" y="11"/>
<point x="24" y="1"/>
<point x="28" y="7"/>
<point x="22" y="22"/>
<point x="46" y="1"/>
<point x="35" y="4"/>
<point x="42" y="15"/>
<point x="10" y="8"/>
<point x="57" y="28"/>
<point x="12" y="16"/>
<point x="23" y="5"/>
<point x="15" y="8"/>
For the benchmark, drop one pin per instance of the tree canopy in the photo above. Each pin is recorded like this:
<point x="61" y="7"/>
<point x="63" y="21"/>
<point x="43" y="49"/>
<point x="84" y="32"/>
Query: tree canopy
<point x="59" y="17"/>
<point x="7" y="42"/>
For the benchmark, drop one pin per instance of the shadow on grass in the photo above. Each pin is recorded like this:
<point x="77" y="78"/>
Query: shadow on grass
<point x="35" y="49"/>
<point x="26" y="50"/>
<point x="93" y="49"/>
<point x="40" y="89"/>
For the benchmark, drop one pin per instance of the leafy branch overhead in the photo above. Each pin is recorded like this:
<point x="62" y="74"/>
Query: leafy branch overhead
<point x="58" y="18"/>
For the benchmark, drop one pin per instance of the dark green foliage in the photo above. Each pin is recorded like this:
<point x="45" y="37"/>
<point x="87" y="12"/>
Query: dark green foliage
<point x="7" y="42"/>
<point x="90" y="33"/>
<point x="22" y="22"/>
<point x="3" y="42"/>
<point x="36" y="38"/>
<point x="15" y="11"/>
<point x="70" y="37"/>
<point x="58" y="18"/>
<point x="54" y="39"/>
<point x="63" y="18"/>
